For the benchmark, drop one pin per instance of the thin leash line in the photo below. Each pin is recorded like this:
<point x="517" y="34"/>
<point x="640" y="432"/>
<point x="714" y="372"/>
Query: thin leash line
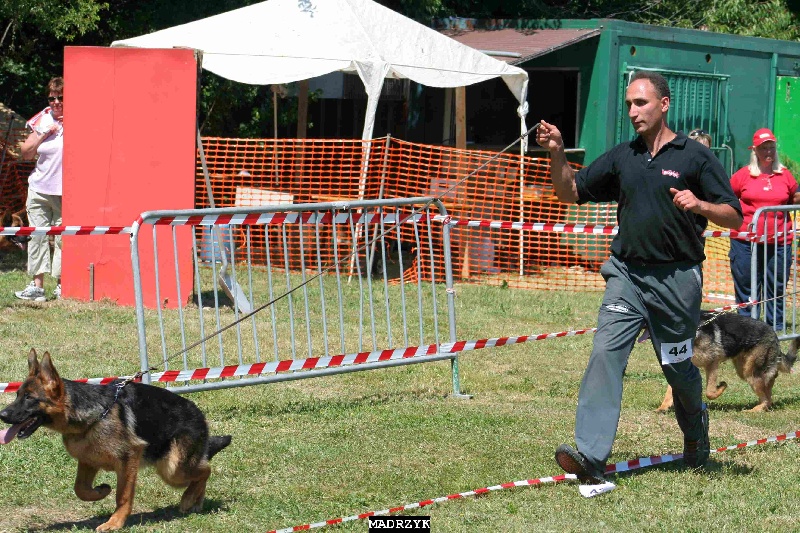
<point x="749" y="303"/>
<point x="341" y="260"/>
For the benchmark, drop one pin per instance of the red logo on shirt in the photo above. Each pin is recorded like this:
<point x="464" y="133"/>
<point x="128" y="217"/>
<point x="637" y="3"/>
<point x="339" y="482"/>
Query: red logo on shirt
<point x="674" y="173"/>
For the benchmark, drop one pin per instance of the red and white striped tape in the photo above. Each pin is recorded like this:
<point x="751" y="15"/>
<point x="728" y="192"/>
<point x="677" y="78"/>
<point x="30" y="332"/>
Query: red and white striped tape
<point x="425" y="503"/>
<point x="316" y="363"/>
<point x="623" y="466"/>
<point x="327" y="217"/>
<point x="735" y="306"/>
<point x="27" y="231"/>
<point x="15" y="385"/>
<point x="251" y="219"/>
<point x="573" y="228"/>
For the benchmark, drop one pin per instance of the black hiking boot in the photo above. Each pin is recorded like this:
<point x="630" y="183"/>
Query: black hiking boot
<point x="573" y="462"/>
<point x="696" y="452"/>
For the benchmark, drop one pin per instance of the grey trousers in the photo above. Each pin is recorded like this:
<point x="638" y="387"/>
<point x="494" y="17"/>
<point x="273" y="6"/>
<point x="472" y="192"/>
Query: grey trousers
<point x="666" y="299"/>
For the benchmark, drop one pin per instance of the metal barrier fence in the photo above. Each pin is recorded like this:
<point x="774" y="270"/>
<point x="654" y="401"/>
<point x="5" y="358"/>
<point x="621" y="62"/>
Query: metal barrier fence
<point x="773" y="269"/>
<point x="333" y="284"/>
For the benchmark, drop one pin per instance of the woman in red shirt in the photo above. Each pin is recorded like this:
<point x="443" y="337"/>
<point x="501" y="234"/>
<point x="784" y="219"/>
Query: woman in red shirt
<point x="764" y="182"/>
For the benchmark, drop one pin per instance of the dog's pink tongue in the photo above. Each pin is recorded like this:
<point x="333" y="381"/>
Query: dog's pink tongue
<point x="7" y="435"/>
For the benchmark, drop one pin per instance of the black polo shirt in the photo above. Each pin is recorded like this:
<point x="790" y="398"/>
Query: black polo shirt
<point x="651" y="228"/>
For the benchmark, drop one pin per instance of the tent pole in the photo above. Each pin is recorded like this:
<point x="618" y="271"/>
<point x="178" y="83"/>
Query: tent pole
<point x="380" y="197"/>
<point x="522" y="206"/>
<point x="523" y="148"/>
<point x="366" y="138"/>
<point x="461" y="144"/>
<point x="362" y="191"/>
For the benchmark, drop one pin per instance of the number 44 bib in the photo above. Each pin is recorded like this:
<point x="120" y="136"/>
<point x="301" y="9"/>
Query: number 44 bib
<point x="675" y="352"/>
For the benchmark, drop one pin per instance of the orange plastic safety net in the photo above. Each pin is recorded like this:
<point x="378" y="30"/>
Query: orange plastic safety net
<point x="717" y="280"/>
<point x="13" y="172"/>
<point x="473" y="184"/>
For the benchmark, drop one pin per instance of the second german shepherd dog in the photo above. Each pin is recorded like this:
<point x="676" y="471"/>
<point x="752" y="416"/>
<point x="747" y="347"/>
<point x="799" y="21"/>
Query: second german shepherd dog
<point x="143" y="425"/>
<point x="11" y="219"/>
<point x="753" y="347"/>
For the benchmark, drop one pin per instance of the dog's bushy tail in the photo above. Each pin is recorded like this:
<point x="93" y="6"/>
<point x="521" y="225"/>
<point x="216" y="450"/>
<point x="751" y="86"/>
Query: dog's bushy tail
<point x="791" y="354"/>
<point x="216" y="444"/>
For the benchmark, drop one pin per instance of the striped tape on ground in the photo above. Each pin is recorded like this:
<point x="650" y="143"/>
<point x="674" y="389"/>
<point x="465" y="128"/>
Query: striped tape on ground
<point x="624" y="466"/>
<point x="316" y="363"/>
<point x="425" y="503"/>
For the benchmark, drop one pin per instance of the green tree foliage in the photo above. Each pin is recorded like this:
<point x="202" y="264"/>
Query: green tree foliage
<point x="769" y="18"/>
<point x="776" y="19"/>
<point x="36" y="32"/>
<point x="31" y="43"/>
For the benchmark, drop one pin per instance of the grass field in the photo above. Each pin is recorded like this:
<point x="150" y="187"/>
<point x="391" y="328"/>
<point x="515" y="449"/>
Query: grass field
<point x="307" y="451"/>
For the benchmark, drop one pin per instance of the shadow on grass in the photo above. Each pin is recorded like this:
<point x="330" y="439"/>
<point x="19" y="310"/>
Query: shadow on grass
<point x="153" y="517"/>
<point x="777" y="405"/>
<point x="13" y="259"/>
<point x="738" y="406"/>
<point x="207" y="297"/>
<point x="713" y="467"/>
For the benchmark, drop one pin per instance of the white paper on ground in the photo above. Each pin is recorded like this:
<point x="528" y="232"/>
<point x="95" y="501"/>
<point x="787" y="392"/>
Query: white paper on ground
<point x="590" y="491"/>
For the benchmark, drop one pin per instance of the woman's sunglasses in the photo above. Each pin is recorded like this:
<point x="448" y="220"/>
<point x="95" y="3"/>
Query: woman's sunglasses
<point x="693" y="133"/>
<point x="52" y="99"/>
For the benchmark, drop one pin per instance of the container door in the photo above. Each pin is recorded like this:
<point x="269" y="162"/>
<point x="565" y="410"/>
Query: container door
<point x="699" y="101"/>
<point x="787" y="116"/>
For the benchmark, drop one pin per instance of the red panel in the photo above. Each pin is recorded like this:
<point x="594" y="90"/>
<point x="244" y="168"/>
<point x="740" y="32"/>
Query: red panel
<point x="130" y="148"/>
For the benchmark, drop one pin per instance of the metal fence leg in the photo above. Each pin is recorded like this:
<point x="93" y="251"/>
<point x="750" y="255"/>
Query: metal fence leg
<point x="456" y="381"/>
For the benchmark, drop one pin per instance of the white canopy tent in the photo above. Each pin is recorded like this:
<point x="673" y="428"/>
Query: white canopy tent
<point x="282" y="41"/>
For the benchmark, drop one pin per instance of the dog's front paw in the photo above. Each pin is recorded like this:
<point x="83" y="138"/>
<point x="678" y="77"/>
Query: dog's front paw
<point x="191" y="506"/>
<point x="113" y="524"/>
<point x="193" y="496"/>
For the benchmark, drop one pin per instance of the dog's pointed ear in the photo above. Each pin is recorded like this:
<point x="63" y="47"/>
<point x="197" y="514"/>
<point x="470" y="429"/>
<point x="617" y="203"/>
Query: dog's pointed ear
<point x="33" y="363"/>
<point x="48" y="369"/>
<point x="52" y="381"/>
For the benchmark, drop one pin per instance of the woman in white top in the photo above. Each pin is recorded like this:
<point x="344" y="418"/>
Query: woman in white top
<point x="44" y="191"/>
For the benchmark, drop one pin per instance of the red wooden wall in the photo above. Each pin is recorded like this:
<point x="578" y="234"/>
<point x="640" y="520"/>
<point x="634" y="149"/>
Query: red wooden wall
<point x="129" y="147"/>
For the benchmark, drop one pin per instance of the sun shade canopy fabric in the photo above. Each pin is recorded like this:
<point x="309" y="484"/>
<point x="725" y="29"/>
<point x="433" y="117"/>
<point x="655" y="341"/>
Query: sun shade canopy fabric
<point x="282" y="41"/>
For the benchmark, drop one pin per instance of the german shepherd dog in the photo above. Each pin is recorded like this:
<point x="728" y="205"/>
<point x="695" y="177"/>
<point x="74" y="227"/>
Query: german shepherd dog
<point x="752" y="346"/>
<point x="142" y="425"/>
<point x="16" y="219"/>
